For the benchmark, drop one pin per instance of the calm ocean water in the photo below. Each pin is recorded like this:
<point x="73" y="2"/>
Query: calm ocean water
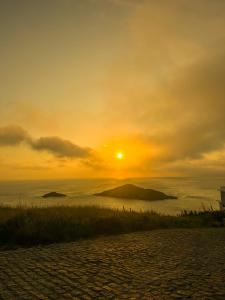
<point x="192" y="193"/>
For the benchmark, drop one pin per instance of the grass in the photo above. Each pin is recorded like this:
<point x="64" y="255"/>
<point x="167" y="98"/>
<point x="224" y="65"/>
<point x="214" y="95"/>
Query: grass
<point x="35" y="226"/>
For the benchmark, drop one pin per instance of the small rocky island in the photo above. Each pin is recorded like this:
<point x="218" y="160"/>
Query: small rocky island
<point x="53" y="195"/>
<point x="130" y="191"/>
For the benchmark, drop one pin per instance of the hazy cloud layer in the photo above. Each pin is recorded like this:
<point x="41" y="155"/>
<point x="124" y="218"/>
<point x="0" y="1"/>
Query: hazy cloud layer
<point x="193" y="113"/>
<point x="152" y="71"/>
<point x="15" y="135"/>
<point x="170" y="82"/>
<point x="128" y="3"/>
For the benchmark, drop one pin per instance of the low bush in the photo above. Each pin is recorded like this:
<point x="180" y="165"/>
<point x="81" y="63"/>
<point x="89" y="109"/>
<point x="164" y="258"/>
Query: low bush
<point x="34" y="226"/>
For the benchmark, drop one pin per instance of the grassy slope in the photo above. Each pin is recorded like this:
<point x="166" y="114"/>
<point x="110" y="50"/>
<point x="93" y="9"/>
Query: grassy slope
<point x="33" y="226"/>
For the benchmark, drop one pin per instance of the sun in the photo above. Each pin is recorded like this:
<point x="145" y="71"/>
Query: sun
<point x="119" y="155"/>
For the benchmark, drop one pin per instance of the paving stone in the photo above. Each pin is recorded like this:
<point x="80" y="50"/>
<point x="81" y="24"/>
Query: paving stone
<point x="159" y="265"/>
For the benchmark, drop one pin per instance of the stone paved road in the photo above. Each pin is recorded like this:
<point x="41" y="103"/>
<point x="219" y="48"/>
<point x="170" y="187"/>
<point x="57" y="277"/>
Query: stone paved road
<point x="164" y="264"/>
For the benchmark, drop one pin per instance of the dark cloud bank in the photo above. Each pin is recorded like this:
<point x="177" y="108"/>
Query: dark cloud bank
<point x="15" y="135"/>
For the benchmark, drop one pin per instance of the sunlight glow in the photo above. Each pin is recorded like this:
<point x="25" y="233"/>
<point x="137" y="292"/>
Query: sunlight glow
<point x="119" y="155"/>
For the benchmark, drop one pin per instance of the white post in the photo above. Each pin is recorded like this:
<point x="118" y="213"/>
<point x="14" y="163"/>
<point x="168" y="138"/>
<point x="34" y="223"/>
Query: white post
<point x="222" y="201"/>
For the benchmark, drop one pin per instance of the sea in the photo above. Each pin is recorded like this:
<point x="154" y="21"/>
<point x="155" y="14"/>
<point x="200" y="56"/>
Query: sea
<point x="192" y="193"/>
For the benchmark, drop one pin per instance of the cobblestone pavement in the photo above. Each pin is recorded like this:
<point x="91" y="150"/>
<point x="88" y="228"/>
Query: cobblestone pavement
<point x="161" y="264"/>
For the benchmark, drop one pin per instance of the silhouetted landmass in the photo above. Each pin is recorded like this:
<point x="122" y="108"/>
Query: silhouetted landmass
<point x="53" y="195"/>
<point x="130" y="191"/>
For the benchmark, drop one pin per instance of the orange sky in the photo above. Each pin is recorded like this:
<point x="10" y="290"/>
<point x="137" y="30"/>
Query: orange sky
<point x="82" y="80"/>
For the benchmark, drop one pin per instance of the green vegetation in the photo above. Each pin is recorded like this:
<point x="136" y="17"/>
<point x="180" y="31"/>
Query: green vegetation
<point x="33" y="226"/>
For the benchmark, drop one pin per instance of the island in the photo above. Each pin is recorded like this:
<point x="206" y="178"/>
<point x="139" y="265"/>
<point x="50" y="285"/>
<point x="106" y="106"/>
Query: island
<point x="130" y="191"/>
<point x="53" y="195"/>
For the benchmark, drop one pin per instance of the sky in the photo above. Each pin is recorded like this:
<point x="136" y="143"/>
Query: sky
<point x="84" y="80"/>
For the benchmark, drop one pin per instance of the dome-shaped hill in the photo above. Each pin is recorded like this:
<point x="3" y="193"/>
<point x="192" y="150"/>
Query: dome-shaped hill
<point x="131" y="191"/>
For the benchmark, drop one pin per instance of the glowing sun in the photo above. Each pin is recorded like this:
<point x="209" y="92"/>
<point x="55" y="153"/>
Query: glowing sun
<point x="119" y="155"/>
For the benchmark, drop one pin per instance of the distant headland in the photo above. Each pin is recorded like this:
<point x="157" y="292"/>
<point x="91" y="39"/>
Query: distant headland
<point x="130" y="191"/>
<point x="53" y="195"/>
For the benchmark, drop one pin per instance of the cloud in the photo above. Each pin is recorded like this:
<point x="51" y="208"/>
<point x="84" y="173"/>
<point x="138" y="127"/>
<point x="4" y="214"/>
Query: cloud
<point x="126" y="3"/>
<point x="168" y="85"/>
<point x="186" y="119"/>
<point x="12" y="135"/>
<point x="15" y="135"/>
<point x="60" y="147"/>
<point x="193" y="114"/>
